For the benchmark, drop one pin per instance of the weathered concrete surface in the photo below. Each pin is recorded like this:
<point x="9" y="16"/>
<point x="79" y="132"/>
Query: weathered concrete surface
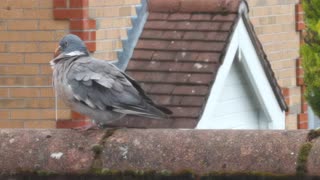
<point x="160" y="150"/>
<point x="204" y="151"/>
<point x="47" y="151"/>
<point x="313" y="164"/>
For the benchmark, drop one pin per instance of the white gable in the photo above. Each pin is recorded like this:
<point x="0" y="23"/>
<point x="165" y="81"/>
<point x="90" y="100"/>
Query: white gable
<point x="261" y="102"/>
<point x="238" y="106"/>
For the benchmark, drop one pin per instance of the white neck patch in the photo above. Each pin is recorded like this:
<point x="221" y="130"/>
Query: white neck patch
<point x="75" y="53"/>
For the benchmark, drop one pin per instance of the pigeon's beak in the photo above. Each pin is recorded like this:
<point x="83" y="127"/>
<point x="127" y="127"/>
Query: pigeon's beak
<point x="57" y="52"/>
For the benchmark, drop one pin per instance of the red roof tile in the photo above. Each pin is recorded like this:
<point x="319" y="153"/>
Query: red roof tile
<point x="178" y="55"/>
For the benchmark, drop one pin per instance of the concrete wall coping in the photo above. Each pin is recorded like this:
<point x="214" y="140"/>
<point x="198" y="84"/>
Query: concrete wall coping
<point x="159" y="152"/>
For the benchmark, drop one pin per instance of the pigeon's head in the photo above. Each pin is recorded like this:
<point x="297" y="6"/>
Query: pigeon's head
<point x="71" y="45"/>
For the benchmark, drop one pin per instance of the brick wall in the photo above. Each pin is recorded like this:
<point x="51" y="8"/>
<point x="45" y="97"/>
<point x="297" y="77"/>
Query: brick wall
<point x="29" y="32"/>
<point x="30" y="29"/>
<point x="113" y="20"/>
<point x="275" y="24"/>
<point x="28" y="35"/>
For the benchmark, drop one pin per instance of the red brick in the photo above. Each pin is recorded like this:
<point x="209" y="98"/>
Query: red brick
<point x="303" y="125"/>
<point x="300" y="81"/>
<point x="303" y="117"/>
<point x="78" y="3"/>
<point x="92" y="46"/>
<point x="304" y="108"/>
<point x="82" y="24"/>
<point x="77" y="116"/>
<point x="300" y="72"/>
<point x="70" y="13"/>
<point x="299" y="8"/>
<point x="286" y="92"/>
<point x="71" y="124"/>
<point x="300" y="26"/>
<point x="59" y="3"/>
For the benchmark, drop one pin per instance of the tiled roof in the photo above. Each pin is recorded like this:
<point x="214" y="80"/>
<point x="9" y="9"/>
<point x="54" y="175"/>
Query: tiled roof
<point x="178" y="55"/>
<point x="176" y="59"/>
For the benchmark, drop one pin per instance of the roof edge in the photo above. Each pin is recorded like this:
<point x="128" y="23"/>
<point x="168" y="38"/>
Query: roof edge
<point x="265" y="62"/>
<point x="188" y="6"/>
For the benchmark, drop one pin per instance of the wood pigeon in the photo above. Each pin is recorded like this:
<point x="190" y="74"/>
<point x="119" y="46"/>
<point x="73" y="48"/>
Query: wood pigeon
<point x="97" y="88"/>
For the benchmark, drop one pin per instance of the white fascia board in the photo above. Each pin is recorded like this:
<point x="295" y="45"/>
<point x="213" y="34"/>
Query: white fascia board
<point x="241" y="41"/>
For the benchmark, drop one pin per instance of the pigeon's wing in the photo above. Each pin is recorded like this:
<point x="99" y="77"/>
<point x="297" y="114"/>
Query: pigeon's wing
<point x="100" y="85"/>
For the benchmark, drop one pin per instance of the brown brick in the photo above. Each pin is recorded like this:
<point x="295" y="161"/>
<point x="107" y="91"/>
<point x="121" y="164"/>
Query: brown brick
<point x="53" y="25"/>
<point x="22" y="25"/>
<point x="45" y="4"/>
<point x="37" y="13"/>
<point x="127" y="11"/>
<point x="4" y="92"/>
<point x="4" y="114"/>
<point x="23" y="47"/>
<point x="25" y="114"/>
<point x="45" y="69"/>
<point x="46" y="92"/>
<point x="47" y="124"/>
<point x="11" y="14"/>
<point x="11" y="81"/>
<point x="37" y="81"/>
<point x="11" y="124"/>
<point x="19" y="70"/>
<point x="11" y="58"/>
<point x="3" y="26"/>
<point x="12" y="103"/>
<point x="64" y="114"/>
<point x="3" y="47"/>
<point x="41" y="103"/>
<point x="41" y="58"/>
<point x="24" y="92"/>
<point x="51" y="114"/>
<point x="22" y="4"/>
<point x="48" y="47"/>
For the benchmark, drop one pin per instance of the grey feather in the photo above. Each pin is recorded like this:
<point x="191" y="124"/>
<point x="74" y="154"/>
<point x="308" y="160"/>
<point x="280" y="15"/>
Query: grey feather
<point x="100" y="90"/>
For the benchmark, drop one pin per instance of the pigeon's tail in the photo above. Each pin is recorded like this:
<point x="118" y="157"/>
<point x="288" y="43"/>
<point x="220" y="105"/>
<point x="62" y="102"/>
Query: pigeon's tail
<point x="159" y="112"/>
<point x="147" y="110"/>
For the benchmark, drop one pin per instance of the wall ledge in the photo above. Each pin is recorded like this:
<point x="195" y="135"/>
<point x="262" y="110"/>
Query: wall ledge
<point x="165" y="153"/>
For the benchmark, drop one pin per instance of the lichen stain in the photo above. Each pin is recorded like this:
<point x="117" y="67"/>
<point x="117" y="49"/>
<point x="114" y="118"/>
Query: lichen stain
<point x="56" y="155"/>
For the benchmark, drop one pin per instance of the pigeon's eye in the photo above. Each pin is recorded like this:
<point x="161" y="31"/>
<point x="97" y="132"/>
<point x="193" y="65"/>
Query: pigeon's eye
<point x="65" y="44"/>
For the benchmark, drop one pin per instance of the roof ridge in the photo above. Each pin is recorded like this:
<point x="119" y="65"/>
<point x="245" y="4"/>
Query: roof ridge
<point x="188" y="6"/>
